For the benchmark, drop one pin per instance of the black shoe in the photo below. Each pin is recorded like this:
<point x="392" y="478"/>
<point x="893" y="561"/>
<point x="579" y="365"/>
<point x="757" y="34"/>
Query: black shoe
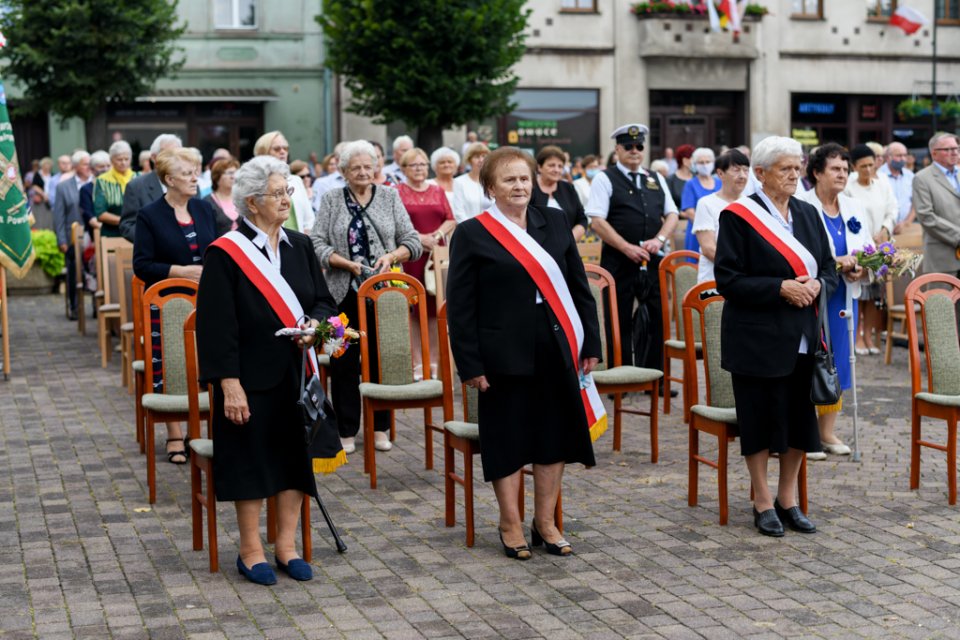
<point x="560" y="548"/>
<point x="768" y="523"/>
<point x="178" y="457"/>
<point x="72" y="315"/>
<point x="673" y="392"/>
<point x="794" y="518"/>
<point x="260" y="573"/>
<point x="517" y="553"/>
<point x="297" y="568"/>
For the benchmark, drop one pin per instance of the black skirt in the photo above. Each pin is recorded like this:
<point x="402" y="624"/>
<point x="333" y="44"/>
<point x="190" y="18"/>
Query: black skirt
<point x="268" y="454"/>
<point x="536" y="419"/>
<point x="776" y="413"/>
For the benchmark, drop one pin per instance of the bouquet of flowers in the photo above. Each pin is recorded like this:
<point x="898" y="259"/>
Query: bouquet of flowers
<point x="335" y="336"/>
<point x="887" y="259"/>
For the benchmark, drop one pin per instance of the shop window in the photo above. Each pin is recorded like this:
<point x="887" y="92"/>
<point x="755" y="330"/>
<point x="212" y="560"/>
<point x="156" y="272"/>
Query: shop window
<point x="568" y="118"/>
<point x="578" y="6"/>
<point x="807" y="9"/>
<point x="880" y="10"/>
<point x="948" y="11"/>
<point x="235" y="14"/>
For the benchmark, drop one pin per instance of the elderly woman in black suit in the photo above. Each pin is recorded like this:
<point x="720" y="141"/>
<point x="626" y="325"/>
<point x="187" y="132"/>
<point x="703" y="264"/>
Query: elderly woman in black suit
<point x="551" y="190"/>
<point x="257" y="424"/>
<point x="772" y="262"/>
<point x="508" y="343"/>
<point x="171" y="235"/>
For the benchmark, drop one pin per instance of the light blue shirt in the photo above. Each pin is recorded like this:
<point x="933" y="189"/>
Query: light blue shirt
<point x="902" y="188"/>
<point x="951" y="175"/>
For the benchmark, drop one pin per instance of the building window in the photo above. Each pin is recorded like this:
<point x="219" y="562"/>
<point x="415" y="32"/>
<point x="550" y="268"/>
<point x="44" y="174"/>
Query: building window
<point x="568" y="118"/>
<point x="578" y="6"/>
<point x="807" y="9"/>
<point x="880" y="9"/>
<point x="235" y="14"/>
<point x="948" y="11"/>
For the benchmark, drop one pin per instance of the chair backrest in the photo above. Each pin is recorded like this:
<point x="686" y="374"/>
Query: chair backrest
<point x="936" y="294"/>
<point x="97" y="253"/>
<point x="446" y="374"/>
<point x="193" y="379"/>
<point x="110" y="276"/>
<point x="176" y="298"/>
<point x="441" y="265"/>
<point x="136" y="299"/>
<point x="603" y="287"/>
<point x="391" y="311"/>
<point x="76" y="238"/>
<point x="590" y="251"/>
<point x="125" y="281"/>
<point x="705" y="314"/>
<point x="678" y="274"/>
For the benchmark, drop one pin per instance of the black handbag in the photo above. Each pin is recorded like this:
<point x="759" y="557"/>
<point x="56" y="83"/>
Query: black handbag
<point x="825" y="381"/>
<point x="318" y="414"/>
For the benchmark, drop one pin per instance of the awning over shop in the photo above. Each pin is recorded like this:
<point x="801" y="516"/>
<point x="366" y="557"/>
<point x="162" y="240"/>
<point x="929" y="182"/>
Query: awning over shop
<point x="210" y="95"/>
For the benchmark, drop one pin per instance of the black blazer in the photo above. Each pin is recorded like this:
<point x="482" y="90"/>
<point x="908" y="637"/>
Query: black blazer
<point x="142" y="191"/>
<point x="760" y="331"/>
<point x="491" y="301"/>
<point x="569" y="200"/>
<point x="235" y="324"/>
<point x="160" y="241"/>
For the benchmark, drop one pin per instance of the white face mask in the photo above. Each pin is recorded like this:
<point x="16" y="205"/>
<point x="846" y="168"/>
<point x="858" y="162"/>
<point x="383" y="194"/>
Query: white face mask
<point x="705" y="169"/>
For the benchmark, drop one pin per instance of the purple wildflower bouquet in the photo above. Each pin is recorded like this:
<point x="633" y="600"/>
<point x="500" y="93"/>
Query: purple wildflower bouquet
<point x="887" y="259"/>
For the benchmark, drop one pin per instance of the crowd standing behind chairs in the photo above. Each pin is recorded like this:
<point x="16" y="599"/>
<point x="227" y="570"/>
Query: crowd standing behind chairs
<point x="363" y="218"/>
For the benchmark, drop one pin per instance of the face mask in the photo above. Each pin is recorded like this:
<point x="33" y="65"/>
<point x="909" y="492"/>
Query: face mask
<point x="897" y="165"/>
<point x="705" y="169"/>
<point x="592" y="173"/>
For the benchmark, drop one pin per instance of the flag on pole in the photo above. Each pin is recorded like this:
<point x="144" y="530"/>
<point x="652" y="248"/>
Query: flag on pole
<point x="16" y="244"/>
<point x="714" y="18"/>
<point x="908" y="19"/>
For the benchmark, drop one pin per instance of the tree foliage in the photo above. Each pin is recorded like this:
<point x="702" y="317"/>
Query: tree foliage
<point x="429" y="63"/>
<point x="72" y="56"/>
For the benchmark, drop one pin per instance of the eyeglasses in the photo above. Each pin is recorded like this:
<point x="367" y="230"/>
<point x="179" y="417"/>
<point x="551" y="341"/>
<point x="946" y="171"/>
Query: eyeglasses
<point x="630" y="147"/>
<point x="417" y="165"/>
<point x="278" y="194"/>
<point x="280" y="148"/>
<point x="949" y="149"/>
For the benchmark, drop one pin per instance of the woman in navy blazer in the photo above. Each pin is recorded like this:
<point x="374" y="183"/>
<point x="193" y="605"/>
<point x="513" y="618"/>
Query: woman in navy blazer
<point x="171" y="235"/>
<point x="551" y="185"/>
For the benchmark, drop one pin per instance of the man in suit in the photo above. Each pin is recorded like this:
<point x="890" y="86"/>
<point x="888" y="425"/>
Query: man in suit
<point x="146" y="188"/>
<point x="936" y="199"/>
<point x="66" y="211"/>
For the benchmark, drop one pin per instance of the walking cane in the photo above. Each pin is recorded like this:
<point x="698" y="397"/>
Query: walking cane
<point x="341" y="546"/>
<point x="847" y="313"/>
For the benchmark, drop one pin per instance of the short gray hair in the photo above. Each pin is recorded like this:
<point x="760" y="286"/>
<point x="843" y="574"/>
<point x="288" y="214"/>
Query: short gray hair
<point x="940" y="135"/>
<point x="119" y="148"/>
<point x="351" y="149"/>
<point x="401" y="139"/>
<point x="769" y="150"/>
<point x="165" y="140"/>
<point x="79" y="156"/>
<point x="440" y="154"/>
<point x="702" y="151"/>
<point x="252" y="178"/>
<point x="99" y="157"/>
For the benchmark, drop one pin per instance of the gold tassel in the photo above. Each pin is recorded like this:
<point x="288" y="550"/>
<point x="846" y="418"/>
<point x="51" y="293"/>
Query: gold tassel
<point x="598" y="429"/>
<point x="823" y="410"/>
<point x="329" y="465"/>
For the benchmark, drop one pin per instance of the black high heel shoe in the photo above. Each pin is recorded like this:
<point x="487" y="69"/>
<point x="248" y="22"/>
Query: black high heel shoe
<point x="517" y="553"/>
<point x="560" y="548"/>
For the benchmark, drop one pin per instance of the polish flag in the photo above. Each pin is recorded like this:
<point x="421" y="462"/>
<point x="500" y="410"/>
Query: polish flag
<point x="3" y="40"/>
<point x="908" y="19"/>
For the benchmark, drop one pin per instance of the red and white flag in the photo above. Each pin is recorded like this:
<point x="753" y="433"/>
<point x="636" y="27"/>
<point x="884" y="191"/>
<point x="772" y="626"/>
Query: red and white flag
<point x="908" y="19"/>
<point x="3" y="40"/>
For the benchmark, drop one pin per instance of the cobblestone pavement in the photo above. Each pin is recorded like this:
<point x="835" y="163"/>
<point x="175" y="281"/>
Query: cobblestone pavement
<point x="82" y="557"/>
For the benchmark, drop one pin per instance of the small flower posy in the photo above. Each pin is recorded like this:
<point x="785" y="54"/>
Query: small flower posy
<point x="335" y="336"/>
<point x="887" y="259"/>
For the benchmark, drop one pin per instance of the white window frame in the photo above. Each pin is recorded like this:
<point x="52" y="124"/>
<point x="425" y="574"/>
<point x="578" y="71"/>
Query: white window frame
<point x="234" y="24"/>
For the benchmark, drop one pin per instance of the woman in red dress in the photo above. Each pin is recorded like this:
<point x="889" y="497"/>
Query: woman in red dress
<point x="432" y="217"/>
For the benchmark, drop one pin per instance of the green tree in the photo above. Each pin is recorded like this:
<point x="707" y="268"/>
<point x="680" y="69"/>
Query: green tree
<point x="73" y="56"/>
<point x="430" y="63"/>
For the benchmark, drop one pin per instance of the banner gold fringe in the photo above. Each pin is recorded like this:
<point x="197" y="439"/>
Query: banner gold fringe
<point x="827" y="409"/>
<point x="329" y="465"/>
<point x="598" y="429"/>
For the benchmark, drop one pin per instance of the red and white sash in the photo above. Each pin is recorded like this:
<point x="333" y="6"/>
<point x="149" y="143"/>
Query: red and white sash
<point x="797" y="255"/>
<point x="546" y="274"/>
<point x="268" y="281"/>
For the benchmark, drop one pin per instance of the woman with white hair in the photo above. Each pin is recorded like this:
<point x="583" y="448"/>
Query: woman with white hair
<point x="109" y="187"/>
<point x="445" y="162"/>
<point x="772" y="262"/>
<point x="703" y="184"/>
<point x="256" y="280"/>
<point x="361" y="229"/>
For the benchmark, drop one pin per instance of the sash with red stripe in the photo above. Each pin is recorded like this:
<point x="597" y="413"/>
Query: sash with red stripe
<point x="546" y="274"/>
<point x="797" y="256"/>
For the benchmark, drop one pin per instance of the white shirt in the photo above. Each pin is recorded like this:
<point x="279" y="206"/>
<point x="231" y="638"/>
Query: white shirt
<point x="902" y="186"/>
<point x="598" y="206"/>
<point x="301" y="204"/>
<point x="261" y="241"/>
<point x="470" y="198"/>
<point x="878" y="200"/>
<point x="583" y="190"/>
<point x="707" y="218"/>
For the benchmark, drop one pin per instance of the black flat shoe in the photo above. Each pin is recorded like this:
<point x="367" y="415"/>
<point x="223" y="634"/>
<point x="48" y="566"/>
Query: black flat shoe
<point x="794" y="518"/>
<point x="517" y="553"/>
<point x="182" y="453"/>
<point x="297" y="568"/>
<point x="260" y="573"/>
<point x="560" y="548"/>
<point x="768" y="523"/>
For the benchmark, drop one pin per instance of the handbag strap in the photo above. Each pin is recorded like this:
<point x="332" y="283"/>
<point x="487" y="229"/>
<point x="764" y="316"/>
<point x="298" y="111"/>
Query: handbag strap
<point x="823" y="322"/>
<point x="303" y="375"/>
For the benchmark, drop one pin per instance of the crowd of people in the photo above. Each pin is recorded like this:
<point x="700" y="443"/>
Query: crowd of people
<point x="274" y="242"/>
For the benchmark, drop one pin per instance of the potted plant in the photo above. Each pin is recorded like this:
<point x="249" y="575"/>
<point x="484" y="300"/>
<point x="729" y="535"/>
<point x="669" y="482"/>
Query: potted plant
<point x="671" y="8"/>
<point x="914" y="108"/>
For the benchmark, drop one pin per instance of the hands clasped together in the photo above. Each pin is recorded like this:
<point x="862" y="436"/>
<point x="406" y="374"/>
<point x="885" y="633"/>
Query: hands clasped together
<point x="801" y="291"/>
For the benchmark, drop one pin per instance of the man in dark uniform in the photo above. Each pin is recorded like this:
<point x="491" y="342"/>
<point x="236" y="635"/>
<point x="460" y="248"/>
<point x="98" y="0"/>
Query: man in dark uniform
<point x="632" y="212"/>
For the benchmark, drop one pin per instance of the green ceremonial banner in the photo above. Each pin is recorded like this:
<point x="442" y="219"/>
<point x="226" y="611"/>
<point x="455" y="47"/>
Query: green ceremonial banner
<point x="16" y="244"/>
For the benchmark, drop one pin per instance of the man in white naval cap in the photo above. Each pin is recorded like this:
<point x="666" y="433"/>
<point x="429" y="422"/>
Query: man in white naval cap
<point x="632" y="212"/>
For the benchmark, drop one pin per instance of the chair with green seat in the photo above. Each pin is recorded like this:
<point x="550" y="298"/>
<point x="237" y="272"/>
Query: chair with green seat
<point x="934" y="297"/>
<point x="615" y="378"/>
<point x="678" y="274"/>
<point x="138" y="366"/>
<point x="176" y="298"/>
<point x="391" y="303"/>
<point x="718" y="416"/>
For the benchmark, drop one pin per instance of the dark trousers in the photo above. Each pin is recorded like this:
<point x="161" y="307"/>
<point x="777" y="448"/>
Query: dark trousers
<point x="71" y="278"/>
<point x="626" y="278"/>
<point x="345" y="375"/>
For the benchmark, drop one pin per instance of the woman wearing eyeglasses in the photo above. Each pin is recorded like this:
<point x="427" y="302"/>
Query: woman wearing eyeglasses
<point x="361" y="228"/>
<point x="302" y="217"/>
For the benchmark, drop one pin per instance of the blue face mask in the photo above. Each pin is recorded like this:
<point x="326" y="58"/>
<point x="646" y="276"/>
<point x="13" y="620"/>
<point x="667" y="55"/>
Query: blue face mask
<point x="592" y="173"/>
<point x="897" y="165"/>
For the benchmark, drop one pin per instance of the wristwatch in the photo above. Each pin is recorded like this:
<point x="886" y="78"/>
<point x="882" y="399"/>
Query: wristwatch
<point x="662" y="239"/>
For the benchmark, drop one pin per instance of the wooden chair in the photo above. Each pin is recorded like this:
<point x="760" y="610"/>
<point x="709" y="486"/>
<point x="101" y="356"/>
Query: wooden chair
<point x="718" y="416"/>
<point x="176" y="298"/>
<point x="934" y="297"/>
<point x="201" y="461"/>
<point x="124" y="291"/>
<point x="76" y="239"/>
<point x="441" y="265"/>
<point x="108" y="312"/>
<point x="896" y="312"/>
<point x="677" y="276"/>
<point x="138" y="366"/>
<point x="396" y="388"/>
<point x="590" y="251"/>
<point x="615" y="378"/>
